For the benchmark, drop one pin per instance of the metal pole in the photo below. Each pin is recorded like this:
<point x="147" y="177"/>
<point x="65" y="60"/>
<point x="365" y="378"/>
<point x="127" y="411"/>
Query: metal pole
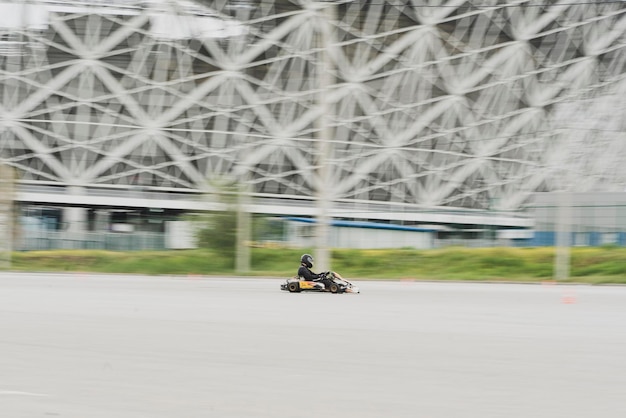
<point x="562" y="254"/>
<point x="323" y="186"/>
<point x="6" y="215"/>
<point x="242" y="253"/>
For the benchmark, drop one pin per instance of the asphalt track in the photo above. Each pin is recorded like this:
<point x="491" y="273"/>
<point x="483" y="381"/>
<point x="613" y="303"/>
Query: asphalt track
<point x="95" y="346"/>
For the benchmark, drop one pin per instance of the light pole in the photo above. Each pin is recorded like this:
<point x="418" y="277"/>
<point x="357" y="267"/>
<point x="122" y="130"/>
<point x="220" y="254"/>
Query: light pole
<point x="6" y="215"/>
<point x="563" y="237"/>
<point x="323" y="183"/>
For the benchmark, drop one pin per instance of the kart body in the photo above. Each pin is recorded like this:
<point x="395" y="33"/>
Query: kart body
<point x="335" y="284"/>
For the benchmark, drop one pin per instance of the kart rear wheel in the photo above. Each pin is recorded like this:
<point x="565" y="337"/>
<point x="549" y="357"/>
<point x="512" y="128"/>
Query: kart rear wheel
<point x="293" y="287"/>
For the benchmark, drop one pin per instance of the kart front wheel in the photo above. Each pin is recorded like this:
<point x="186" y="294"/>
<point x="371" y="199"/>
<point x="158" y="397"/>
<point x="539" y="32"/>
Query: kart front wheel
<point x="293" y="287"/>
<point x="334" y="288"/>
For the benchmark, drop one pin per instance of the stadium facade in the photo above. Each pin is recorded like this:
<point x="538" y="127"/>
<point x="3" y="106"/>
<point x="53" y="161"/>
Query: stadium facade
<point x="385" y="109"/>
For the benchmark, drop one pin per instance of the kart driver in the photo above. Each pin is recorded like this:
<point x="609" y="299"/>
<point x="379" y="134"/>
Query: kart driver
<point x="306" y="263"/>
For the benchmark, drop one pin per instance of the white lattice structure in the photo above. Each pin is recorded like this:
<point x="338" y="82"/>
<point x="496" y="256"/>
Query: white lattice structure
<point x="430" y="103"/>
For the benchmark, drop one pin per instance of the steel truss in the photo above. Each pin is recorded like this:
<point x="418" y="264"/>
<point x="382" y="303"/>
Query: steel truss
<point x="470" y="104"/>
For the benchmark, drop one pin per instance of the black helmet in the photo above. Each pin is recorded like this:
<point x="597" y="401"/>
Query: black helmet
<point x="307" y="260"/>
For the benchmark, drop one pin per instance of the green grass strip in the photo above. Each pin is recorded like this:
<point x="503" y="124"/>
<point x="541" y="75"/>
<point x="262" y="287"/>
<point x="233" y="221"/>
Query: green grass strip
<point x="588" y="265"/>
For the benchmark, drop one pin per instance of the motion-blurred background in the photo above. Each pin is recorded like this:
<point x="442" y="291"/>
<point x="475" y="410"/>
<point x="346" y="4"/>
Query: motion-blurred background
<point x="355" y="124"/>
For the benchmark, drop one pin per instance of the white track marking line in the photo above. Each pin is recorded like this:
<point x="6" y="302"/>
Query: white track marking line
<point x="20" y="393"/>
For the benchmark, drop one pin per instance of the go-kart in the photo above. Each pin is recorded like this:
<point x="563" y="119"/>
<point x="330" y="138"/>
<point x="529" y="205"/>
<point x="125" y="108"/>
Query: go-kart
<point x="334" y="284"/>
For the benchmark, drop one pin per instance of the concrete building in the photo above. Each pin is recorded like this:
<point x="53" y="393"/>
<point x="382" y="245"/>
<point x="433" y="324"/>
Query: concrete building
<point x="588" y="219"/>
<point x="361" y="235"/>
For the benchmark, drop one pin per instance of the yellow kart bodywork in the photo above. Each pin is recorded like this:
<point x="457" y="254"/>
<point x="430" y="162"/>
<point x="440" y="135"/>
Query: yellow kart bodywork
<point x="306" y="285"/>
<point x="337" y="285"/>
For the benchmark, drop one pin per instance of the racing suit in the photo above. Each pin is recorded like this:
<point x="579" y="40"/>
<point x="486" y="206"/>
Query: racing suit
<point x="307" y="274"/>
